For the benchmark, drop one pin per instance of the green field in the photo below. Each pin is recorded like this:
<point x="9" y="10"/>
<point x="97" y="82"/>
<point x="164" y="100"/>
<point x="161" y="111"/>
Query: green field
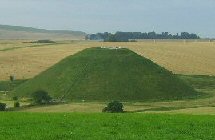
<point x="19" y="126"/>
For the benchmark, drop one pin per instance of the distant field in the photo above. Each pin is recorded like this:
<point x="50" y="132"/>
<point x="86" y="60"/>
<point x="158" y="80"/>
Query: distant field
<point x="64" y="126"/>
<point x="195" y="58"/>
<point x="6" y="45"/>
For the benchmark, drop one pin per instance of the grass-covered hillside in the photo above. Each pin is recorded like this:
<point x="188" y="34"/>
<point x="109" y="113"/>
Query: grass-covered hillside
<point x="8" y="85"/>
<point x="64" y="126"/>
<point x="103" y="74"/>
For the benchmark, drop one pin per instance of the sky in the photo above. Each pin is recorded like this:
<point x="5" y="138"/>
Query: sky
<point x="92" y="16"/>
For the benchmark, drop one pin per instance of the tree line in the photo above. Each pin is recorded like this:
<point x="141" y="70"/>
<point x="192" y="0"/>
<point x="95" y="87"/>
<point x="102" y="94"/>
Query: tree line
<point x="129" y="36"/>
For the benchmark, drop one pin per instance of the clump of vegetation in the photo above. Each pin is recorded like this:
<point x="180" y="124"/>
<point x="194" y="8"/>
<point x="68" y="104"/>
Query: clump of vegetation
<point x="15" y="98"/>
<point x="41" y="97"/>
<point x="43" y="41"/>
<point x="2" y="106"/>
<point x="114" y="107"/>
<point x="16" y="104"/>
<point x="12" y="78"/>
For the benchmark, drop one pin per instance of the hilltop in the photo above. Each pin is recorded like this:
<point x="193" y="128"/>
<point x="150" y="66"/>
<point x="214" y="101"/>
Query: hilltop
<point x="20" y="32"/>
<point x="101" y="74"/>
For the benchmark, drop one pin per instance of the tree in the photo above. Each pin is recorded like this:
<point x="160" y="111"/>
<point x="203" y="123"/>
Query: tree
<point x="126" y="36"/>
<point x="2" y="106"/>
<point x="114" y="107"/>
<point x="41" y="97"/>
<point x="110" y="38"/>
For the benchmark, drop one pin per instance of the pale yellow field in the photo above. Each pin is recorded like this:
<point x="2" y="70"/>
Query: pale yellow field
<point x="179" y="57"/>
<point x="8" y="44"/>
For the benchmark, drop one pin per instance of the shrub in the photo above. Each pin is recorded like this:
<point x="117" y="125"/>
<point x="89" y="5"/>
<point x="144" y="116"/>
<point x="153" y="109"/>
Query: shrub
<point x="43" y="41"/>
<point x="16" y="104"/>
<point x="41" y="97"/>
<point x="12" y="78"/>
<point x="2" y="106"/>
<point x="105" y="109"/>
<point x="113" y="107"/>
<point x="15" y="98"/>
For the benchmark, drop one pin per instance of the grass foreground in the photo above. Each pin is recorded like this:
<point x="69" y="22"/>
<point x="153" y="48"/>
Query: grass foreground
<point x="54" y="126"/>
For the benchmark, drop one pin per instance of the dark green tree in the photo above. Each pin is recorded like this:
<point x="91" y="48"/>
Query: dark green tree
<point x="41" y="97"/>
<point x="114" y="107"/>
<point x="2" y="106"/>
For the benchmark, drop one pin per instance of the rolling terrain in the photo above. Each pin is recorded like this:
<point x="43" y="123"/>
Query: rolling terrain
<point x="28" y="33"/>
<point x="190" y="58"/>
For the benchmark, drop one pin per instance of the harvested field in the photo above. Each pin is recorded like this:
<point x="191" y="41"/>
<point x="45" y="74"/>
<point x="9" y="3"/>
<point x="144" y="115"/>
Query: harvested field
<point x="193" y="58"/>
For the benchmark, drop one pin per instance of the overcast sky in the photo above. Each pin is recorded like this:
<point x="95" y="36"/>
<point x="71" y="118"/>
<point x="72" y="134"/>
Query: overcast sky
<point x="91" y="16"/>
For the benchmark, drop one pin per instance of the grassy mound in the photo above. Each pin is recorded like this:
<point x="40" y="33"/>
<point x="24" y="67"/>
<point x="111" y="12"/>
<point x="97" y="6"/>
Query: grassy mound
<point x="101" y="74"/>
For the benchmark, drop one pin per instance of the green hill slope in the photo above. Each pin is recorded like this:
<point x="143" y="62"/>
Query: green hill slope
<point x="108" y="74"/>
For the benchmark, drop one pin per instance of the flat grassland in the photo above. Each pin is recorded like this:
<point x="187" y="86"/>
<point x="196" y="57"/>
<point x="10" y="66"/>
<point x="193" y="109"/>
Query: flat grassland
<point x="94" y="126"/>
<point x="25" y="60"/>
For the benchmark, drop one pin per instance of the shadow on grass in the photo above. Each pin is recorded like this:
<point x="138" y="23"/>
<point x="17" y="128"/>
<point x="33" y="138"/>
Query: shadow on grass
<point x="162" y="109"/>
<point x="30" y="106"/>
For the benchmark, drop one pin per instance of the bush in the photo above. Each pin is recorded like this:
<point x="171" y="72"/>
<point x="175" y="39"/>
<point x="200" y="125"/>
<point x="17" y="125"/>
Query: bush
<point x="2" y="107"/>
<point x="41" y="97"/>
<point x="105" y="109"/>
<point x="16" y="104"/>
<point x="43" y="41"/>
<point x="113" y="107"/>
<point x="15" y="98"/>
<point x="12" y="78"/>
